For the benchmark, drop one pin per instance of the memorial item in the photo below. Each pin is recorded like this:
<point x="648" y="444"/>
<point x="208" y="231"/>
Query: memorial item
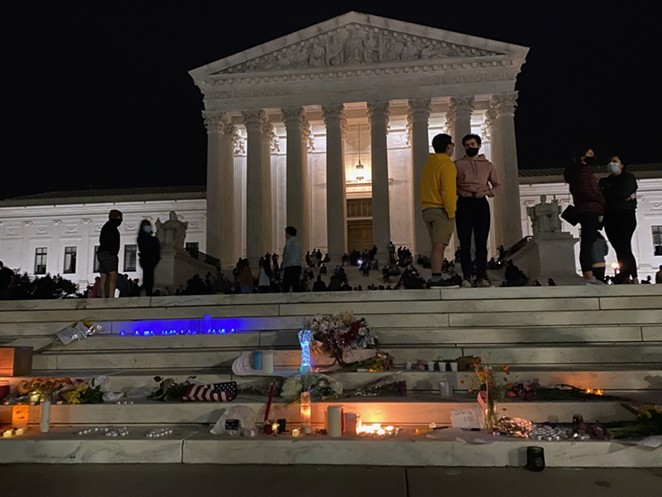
<point x="15" y="361"/>
<point x="334" y="421"/>
<point x="45" y="415"/>
<point x="236" y="413"/>
<point x="338" y="334"/>
<point x="215" y="392"/>
<point x="305" y="410"/>
<point x="305" y="337"/>
<point x="20" y="416"/>
<point x="535" y="458"/>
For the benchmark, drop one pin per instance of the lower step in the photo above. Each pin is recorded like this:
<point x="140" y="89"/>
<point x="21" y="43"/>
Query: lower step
<point x="193" y="445"/>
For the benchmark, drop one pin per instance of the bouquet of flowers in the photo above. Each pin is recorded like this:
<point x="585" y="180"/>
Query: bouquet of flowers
<point x="83" y="393"/>
<point x="45" y="387"/>
<point x="491" y="390"/>
<point x="340" y="333"/>
<point x="647" y="423"/>
<point x="319" y="385"/>
<point x="382" y="386"/>
<point x="170" y="389"/>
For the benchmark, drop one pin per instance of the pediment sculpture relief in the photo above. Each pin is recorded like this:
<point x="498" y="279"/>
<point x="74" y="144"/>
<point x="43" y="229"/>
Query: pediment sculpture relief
<point x="356" y="44"/>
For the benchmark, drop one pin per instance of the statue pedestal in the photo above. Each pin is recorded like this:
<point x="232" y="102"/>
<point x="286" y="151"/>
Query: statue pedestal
<point x="550" y="255"/>
<point x="176" y="267"/>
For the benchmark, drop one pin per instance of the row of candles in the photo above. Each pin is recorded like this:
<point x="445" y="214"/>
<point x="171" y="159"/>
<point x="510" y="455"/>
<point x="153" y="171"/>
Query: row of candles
<point x="338" y="422"/>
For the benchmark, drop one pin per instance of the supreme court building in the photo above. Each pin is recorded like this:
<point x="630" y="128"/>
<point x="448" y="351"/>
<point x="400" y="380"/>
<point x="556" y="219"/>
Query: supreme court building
<point x="327" y="129"/>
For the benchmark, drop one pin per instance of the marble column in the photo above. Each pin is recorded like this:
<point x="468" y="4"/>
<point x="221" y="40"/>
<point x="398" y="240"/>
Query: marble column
<point x="459" y="118"/>
<point x="297" y="194"/>
<point x="418" y="116"/>
<point x="507" y="213"/>
<point x="381" y="219"/>
<point x="256" y="209"/>
<point x="220" y="188"/>
<point x="336" y="204"/>
<point x="268" y="239"/>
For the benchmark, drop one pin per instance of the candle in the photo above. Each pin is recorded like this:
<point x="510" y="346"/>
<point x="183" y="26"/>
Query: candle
<point x="334" y="415"/>
<point x="268" y="362"/>
<point x="305" y="411"/>
<point x="19" y="431"/>
<point x="295" y="433"/>
<point x="453" y="366"/>
<point x="272" y="390"/>
<point x="6" y="434"/>
<point x="430" y="365"/>
<point x="351" y="419"/>
<point x="45" y="415"/>
<point x="274" y="428"/>
<point x="256" y="360"/>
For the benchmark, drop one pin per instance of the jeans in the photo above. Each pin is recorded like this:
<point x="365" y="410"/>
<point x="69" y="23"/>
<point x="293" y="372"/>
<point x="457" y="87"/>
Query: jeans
<point x="291" y="278"/>
<point x="619" y="227"/>
<point x="589" y="232"/>
<point x="473" y="216"/>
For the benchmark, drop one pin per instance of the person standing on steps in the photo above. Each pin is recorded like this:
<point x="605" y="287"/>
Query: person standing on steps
<point x="476" y="181"/>
<point x="108" y="254"/>
<point x="291" y="261"/>
<point x="150" y="254"/>
<point x="439" y="202"/>
<point x="589" y="205"/>
<point x="620" y="191"/>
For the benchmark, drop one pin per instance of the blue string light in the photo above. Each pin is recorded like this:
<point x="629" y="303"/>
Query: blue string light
<point x="169" y="327"/>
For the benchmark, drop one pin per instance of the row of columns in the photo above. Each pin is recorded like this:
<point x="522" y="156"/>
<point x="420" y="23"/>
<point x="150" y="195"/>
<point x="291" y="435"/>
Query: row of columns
<point x="221" y="215"/>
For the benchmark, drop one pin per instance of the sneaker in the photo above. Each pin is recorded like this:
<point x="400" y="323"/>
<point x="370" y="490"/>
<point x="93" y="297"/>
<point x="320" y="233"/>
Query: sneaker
<point x="594" y="281"/>
<point x="635" y="281"/>
<point x="466" y="284"/>
<point x="483" y="283"/>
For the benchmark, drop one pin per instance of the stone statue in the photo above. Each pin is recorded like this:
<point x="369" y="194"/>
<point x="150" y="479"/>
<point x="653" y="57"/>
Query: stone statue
<point x="545" y="217"/>
<point x="172" y="233"/>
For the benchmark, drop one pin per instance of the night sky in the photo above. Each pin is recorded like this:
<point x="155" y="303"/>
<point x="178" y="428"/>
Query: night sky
<point x="97" y="94"/>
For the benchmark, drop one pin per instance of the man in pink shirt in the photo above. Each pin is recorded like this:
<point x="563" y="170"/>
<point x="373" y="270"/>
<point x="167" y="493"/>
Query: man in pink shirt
<point x="476" y="180"/>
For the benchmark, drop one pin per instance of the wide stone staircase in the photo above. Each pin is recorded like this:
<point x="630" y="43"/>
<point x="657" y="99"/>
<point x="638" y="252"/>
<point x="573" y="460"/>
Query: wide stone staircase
<point x="606" y="337"/>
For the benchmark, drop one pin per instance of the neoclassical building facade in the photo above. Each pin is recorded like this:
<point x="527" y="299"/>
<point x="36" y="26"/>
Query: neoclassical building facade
<point x="339" y="116"/>
<point x="58" y="233"/>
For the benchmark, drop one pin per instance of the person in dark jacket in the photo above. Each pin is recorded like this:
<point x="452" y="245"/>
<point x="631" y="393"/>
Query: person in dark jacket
<point x="619" y="189"/>
<point x="589" y="204"/>
<point x="108" y="253"/>
<point x="150" y="254"/>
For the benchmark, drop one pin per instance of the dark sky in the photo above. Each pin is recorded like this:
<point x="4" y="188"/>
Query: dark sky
<point x="97" y="94"/>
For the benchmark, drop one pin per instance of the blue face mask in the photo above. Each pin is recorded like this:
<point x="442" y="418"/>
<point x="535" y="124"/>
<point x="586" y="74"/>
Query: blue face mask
<point x="613" y="167"/>
<point x="147" y="229"/>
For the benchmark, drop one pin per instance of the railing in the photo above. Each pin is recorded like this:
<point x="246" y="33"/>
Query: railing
<point x="202" y="257"/>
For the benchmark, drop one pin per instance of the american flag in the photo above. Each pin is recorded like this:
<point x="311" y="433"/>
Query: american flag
<point x="482" y="399"/>
<point x="217" y="392"/>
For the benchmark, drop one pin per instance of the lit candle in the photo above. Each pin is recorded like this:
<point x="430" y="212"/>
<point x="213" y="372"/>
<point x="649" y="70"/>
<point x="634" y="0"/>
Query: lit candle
<point x="274" y="427"/>
<point x="19" y="431"/>
<point x="305" y="412"/>
<point x="6" y="434"/>
<point x="351" y="419"/>
<point x="295" y="433"/>
<point x="334" y="415"/>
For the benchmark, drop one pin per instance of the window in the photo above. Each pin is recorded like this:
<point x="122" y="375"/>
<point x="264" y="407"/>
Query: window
<point x="40" y="260"/>
<point x="130" y="252"/>
<point x="95" y="265"/>
<point x="657" y="239"/>
<point x="359" y="208"/>
<point x="70" y="259"/>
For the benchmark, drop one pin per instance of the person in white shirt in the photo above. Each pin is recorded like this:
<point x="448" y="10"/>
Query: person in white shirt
<point x="291" y="261"/>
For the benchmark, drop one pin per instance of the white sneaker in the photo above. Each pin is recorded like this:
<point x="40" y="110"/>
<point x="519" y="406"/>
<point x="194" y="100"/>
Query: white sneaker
<point x="466" y="284"/>
<point x="594" y="281"/>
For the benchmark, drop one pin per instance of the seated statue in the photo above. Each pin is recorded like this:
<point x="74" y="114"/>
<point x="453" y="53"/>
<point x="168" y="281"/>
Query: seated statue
<point x="545" y="217"/>
<point x="172" y="233"/>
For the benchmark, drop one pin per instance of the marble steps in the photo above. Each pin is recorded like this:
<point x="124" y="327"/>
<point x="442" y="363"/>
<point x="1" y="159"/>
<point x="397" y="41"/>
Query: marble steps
<point x="574" y="355"/>
<point x="194" y="445"/>
<point x="408" y="411"/>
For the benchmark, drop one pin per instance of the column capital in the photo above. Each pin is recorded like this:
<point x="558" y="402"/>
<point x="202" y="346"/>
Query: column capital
<point x="418" y="108"/>
<point x="461" y="106"/>
<point x="333" y="112"/>
<point x="254" y="118"/>
<point x="293" y="116"/>
<point x="215" y="121"/>
<point x="378" y="109"/>
<point x="504" y="104"/>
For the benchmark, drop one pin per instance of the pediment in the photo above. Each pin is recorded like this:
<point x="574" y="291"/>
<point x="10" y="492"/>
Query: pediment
<point x="356" y="39"/>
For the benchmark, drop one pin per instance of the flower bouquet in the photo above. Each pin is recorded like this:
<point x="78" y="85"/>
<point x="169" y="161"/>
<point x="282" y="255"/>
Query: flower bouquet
<point x="381" y="387"/>
<point x="320" y="386"/>
<point x="647" y="423"/>
<point x="170" y="389"/>
<point x="338" y="334"/>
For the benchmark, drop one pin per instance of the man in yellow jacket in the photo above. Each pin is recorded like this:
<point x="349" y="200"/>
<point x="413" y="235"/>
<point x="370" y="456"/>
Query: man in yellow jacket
<point x="439" y="202"/>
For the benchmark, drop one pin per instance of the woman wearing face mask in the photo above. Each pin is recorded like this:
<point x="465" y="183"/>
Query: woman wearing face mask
<point x="619" y="189"/>
<point x="150" y="254"/>
<point x="589" y="204"/>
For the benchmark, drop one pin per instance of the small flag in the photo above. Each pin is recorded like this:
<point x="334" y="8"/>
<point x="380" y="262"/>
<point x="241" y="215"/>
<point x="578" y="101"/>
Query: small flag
<point x="217" y="392"/>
